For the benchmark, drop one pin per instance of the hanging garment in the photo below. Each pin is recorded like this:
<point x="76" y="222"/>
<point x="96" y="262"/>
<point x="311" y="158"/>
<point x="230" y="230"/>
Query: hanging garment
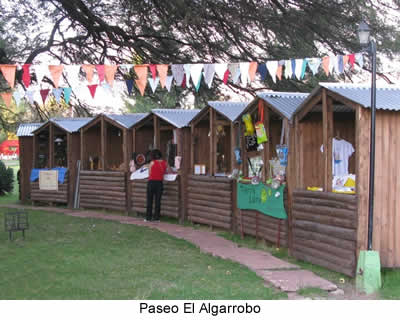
<point x="341" y="152"/>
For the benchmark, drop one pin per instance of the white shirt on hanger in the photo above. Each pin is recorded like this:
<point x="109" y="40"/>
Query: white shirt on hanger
<point x="341" y="152"/>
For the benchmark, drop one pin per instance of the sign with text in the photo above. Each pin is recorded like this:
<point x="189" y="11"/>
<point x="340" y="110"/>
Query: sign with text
<point x="262" y="198"/>
<point x="48" y="180"/>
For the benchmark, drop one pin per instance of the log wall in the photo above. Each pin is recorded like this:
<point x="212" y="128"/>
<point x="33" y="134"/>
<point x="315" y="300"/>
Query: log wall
<point x="210" y="201"/>
<point x="50" y="196"/>
<point x="103" y="189"/>
<point x="325" y="229"/>
<point x="170" y="201"/>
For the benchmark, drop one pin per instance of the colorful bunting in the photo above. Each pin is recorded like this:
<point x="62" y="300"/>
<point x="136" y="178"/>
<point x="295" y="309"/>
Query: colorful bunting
<point x="92" y="88"/>
<point x="220" y="70"/>
<point x="67" y="94"/>
<point x="57" y="94"/>
<point x="262" y="70"/>
<point x="288" y="69"/>
<point x="110" y="71"/>
<point x="41" y="71"/>
<point x="154" y="83"/>
<point x="252" y="70"/>
<point x="352" y="60"/>
<point x="7" y="96"/>
<point x="226" y="76"/>
<point x="29" y="94"/>
<point x="26" y="76"/>
<point x="8" y="71"/>
<point x="272" y="67"/>
<point x="44" y="93"/>
<point x="325" y="64"/>
<point x="234" y="69"/>
<point x="56" y="71"/>
<point x="17" y="97"/>
<point x="195" y="73"/>
<point x="129" y="86"/>
<point x="89" y="69"/>
<point x="360" y="59"/>
<point x="244" y="72"/>
<point x="141" y="82"/>
<point x="153" y="70"/>
<point x="314" y="64"/>
<point x="169" y="83"/>
<point x="162" y="70"/>
<point x="187" y="68"/>
<point x="100" y="72"/>
<point x="209" y="72"/>
<point x="178" y="73"/>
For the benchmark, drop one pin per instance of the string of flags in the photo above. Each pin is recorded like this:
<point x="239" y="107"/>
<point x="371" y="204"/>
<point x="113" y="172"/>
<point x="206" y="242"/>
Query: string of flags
<point x="164" y="75"/>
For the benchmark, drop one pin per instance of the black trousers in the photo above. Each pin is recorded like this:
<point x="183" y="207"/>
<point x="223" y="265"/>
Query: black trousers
<point x="154" y="190"/>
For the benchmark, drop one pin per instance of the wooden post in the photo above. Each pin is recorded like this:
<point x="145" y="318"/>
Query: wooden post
<point x="35" y="151"/>
<point x="134" y="140"/>
<point x="327" y="130"/>
<point x="71" y="172"/>
<point x="213" y="143"/>
<point x="125" y="150"/>
<point x="156" y="122"/>
<point x="103" y="143"/>
<point x="233" y="146"/>
<point x="192" y="139"/>
<point x="266" y="152"/>
<point x="82" y="150"/>
<point x="51" y="146"/>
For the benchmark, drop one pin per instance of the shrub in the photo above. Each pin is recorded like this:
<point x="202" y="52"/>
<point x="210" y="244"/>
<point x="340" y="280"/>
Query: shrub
<point x="6" y="179"/>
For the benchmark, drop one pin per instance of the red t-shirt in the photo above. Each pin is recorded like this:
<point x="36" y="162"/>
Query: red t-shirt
<point x="157" y="170"/>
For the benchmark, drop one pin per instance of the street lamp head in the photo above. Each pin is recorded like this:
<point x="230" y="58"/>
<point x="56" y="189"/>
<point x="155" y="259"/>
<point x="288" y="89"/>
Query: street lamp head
<point x="363" y="33"/>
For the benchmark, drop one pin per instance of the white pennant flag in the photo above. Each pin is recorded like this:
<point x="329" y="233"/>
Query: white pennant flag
<point x="41" y="71"/>
<point x="154" y="83"/>
<point x="29" y="94"/>
<point x="72" y="73"/>
<point x="298" y="68"/>
<point x="209" y="72"/>
<point x="17" y="97"/>
<point x="220" y="69"/>
<point x="187" y="68"/>
<point x="333" y="64"/>
<point x="168" y="83"/>
<point x="288" y="69"/>
<point x="359" y="59"/>
<point x="178" y="72"/>
<point x="272" y="67"/>
<point x="234" y="69"/>
<point x="126" y="68"/>
<point x="57" y="94"/>
<point x="244" y="72"/>
<point x="195" y="73"/>
<point x="314" y="64"/>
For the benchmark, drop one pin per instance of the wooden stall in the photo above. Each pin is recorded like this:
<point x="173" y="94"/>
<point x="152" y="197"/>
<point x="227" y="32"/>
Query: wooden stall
<point x="330" y="228"/>
<point x="25" y="137"/>
<point x="168" y="131"/>
<point x="276" y="109"/>
<point x="106" y="149"/>
<point x="214" y="136"/>
<point x="56" y="144"/>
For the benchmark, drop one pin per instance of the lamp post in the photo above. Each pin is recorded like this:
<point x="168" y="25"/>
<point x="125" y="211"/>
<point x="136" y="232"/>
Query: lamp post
<point x="368" y="275"/>
<point x="370" y="47"/>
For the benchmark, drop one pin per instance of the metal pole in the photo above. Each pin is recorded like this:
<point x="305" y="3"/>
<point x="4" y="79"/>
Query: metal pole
<point x="372" y="53"/>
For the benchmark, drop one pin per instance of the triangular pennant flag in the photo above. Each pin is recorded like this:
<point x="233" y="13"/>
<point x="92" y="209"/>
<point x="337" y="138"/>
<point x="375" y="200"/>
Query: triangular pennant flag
<point x="340" y="63"/>
<point x="72" y="73"/>
<point x="8" y="71"/>
<point x="100" y="72"/>
<point x="209" y="72"/>
<point x="92" y="89"/>
<point x="244" y="72"/>
<point x="17" y="97"/>
<point x="110" y="71"/>
<point x="234" y="69"/>
<point x="280" y="69"/>
<point x="41" y="71"/>
<point x="226" y="76"/>
<point x="153" y="70"/>
<point x="56" y="71"/>
<point x="126" y="68"/>
<point x="162" y="70"/>
<point x="352" y="59"/>
<point x="187" y="68"/>
<point x="26" y="75"/>
<point x="262" y="70"/>
<point x="333" y="65"/>
<point x="288" y="69"/>
<point x="129" y="85"/>
<point x="272" y="67"/>
<point x="154" y="83"/>
<point x="345" y="60"/>
<point x="30" y="94"/>
<point x="44" y="93"/>
<point x="195" y="73"/>
<point x="298" y="68"/>
<point x="141" y="71"/>
<point x="325" y="64"/>
<point x="57" y="94"/>
<point x="360" y="59"/>
<point x="89" y="69"/>
<point x="252" y="70"/>
<point x="220" y="69"/>
<point x="293" y="62"/>
<point x="184" y="81"/>
<point x="178" y="72"/>
<point x="106" y="87"/>
<point x="7" y="96"/>
<point x="67" y="94"/>
<point x="169" y="83"/>
<point x="303" y="68"/>
<point x="314" y="64"/>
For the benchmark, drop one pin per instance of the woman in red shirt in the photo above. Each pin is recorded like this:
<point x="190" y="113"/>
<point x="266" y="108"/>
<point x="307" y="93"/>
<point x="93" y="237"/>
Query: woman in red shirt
<point x="157" y="169"/>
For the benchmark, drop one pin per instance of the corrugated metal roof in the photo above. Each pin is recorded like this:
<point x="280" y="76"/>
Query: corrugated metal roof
<point x="177" y="117"/>
<point x="387" y="97"/>
<point x="26" y="129"/>
<point x="229" y="109"/>
<point x="127" y="120"/>
<point x="70" y="125"/>
<point x="286" y="103"/>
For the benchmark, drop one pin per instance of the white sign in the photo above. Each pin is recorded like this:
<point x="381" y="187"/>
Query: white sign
<point x="48" y="180"/>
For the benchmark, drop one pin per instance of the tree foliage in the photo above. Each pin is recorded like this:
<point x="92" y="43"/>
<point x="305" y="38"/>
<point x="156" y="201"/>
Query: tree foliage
<point x="6" y="179"/>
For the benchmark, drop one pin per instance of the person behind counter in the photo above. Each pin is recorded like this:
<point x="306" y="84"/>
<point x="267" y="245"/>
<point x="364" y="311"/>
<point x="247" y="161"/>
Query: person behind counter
<point x="157" y="168"/>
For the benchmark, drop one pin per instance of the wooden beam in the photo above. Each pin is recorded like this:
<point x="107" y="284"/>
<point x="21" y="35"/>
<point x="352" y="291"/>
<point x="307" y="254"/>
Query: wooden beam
<point x="213" y="143"/>
<point x="103" y="143"/>
<point x="311" y="104"/>
<point x="125" y="148"/>
<point x="327" y="133"/>
<point x="192" y="138"/>
<point x="133" y="140"/>
<point x="51" y="146"/>
<point x="83" y="149"/>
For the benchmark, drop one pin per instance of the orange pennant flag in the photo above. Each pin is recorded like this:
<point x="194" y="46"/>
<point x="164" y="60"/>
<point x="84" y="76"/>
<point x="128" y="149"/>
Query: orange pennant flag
<point x="6" y="98"/>
<point x="56" y="72"/>
<point x="8" y="71"/>
<point x="252" y="70"/>
<point x="89" y="69"/>
<point x="325" y="64"/>
<point x="162" y="70"/>
<point x="279" y="71"/>
<point x="110" y="71"/>
<point x="345" y="60"/>
<point x="141" y="82"/>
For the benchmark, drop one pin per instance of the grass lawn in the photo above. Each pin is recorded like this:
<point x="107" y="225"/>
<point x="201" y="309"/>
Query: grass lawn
<point x="66" y="257"/>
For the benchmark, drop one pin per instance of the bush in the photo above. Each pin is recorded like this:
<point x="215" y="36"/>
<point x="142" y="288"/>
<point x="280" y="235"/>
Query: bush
<point x="6" y="179"/>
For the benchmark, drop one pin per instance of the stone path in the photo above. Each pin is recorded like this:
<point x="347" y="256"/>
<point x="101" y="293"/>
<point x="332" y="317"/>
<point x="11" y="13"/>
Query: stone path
<point x="281" y="274"/>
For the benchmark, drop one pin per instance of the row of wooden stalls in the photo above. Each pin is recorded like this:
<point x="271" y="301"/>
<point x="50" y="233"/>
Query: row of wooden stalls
<point x="324" y="226"/>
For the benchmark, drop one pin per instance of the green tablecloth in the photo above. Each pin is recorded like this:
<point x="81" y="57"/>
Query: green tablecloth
<point x="261" y="198"/>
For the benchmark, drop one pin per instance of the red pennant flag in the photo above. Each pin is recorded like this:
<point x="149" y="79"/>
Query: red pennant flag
<point x="8" y="71"/>
<point x="352" y="60"/>
<point x="100" y="72"/>
<point x="6" y="98"/>
<point x="26" y="76"/>
<point x="153" y="70"/>
<point x="44" y="93"/>
<point x="226" y="76"/>
<point x="184" y="81"/>
<point x="92" y="89"/>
